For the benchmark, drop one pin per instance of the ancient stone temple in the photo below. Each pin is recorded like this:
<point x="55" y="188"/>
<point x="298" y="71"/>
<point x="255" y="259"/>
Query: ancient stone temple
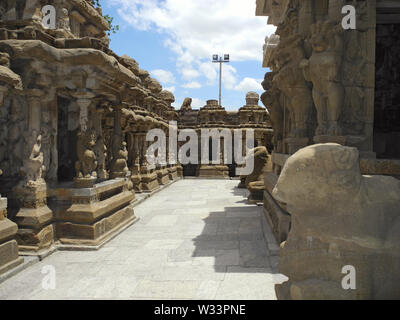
<point x="74" y="118"/>
<point x="214" y="117"/>
<point x="73" y="123"/>
<point x="331" y="93"/>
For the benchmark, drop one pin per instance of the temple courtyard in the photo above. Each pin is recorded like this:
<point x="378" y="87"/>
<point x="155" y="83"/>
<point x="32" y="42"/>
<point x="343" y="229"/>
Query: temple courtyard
<point x="196" y="239"/>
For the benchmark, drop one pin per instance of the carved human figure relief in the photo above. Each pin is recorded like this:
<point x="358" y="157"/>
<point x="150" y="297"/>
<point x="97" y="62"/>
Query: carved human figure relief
<point x="271" y="100"/>
<point x="323" y="70"/>
<point x="33" y="166"/>
<point x="63" y="20"/>
<point x="291" y="82"/>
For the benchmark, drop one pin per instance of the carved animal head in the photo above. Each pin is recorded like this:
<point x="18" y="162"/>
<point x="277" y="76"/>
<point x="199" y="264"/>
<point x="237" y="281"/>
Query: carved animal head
<point x="186" y="105"/>
<point x="320" y="173"/>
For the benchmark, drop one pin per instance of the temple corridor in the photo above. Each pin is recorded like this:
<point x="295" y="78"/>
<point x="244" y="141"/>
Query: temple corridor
<point x="196" y="239"/>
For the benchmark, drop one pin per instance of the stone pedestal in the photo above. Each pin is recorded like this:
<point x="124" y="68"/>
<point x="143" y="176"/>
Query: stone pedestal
<point x="96" y="214"/>
<point x="34" y="219"/>
<point x="8" y="246"/>
<point x="149" y="179"/>
<point x="162" y="175"/>
<point x="256" y="190"/>
<point x="179" y="171"/>
<point x="172" y="172"/>
<point x="213" y="171"/>
<point x="85" y="182"/>
<point x="136" y="179"/>
<point x="275" y="212"/>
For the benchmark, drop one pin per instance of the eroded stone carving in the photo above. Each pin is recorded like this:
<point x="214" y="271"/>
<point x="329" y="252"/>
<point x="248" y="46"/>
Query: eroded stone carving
<point x="339" y="218"/>
<point x="33" y="166"/>
<point x="271" y="100"/>
<point x="48" y="146"/>
<point x="255" y="181"/>
<point x="63" y="20"/>
<point x="186" y="105"/>
<point x="290" y="81"/>
<point x="87" y="163"/>
<point x="323" y="70"/>
<point x="120" y="166"/>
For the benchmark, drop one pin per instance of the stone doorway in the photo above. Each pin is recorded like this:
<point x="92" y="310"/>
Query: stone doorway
<point x="387" y="91"/>
<point x="66" y="141"/>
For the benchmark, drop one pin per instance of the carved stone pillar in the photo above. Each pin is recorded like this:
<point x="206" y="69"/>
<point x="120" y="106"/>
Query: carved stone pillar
<point x="100" y="148"/>
<point x="135" y="168"/>
<point x="86" y="175"/>
<point x="34" y="218"/>
<point x="8" y="245"/>
<point x="143" y="148"/>
<point x="148" y="175"/>
<point x="120" y="153"/>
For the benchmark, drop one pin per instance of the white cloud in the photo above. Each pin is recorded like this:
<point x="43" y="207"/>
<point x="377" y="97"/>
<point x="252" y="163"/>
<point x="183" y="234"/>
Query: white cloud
<point x="197" y="29"/>
<point x="171" y="89"/>
<point x="209" y="71"/>
<point x="165" y="77"/>
<point x="249" y="84"/>
<point x="197" y="103"/>
<point x="229" y="76"/>
<point x="190" y="73"/>
<point x="192" y="85"/>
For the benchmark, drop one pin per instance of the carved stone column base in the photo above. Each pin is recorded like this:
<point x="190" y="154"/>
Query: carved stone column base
<point x="34" y="219"/>
<point x="278" y="219"/>
<point x="162" y="176"/>
<point x="179" y="170"/>
<point x="137" y="183"/>
<point x="9" y="258"/>
<point x="85" y="182"/>
<point x="123" y="175"/>
<point x="330" y="139"/>
<point x="136" y="178"/>
<point x="96" y="214"/>
<point x="295" y="144"/>
<point x="149" y="179"/>
<point x="256" y="190"/>
<point x="172" y="173"/>
<point x="213" y="171"/>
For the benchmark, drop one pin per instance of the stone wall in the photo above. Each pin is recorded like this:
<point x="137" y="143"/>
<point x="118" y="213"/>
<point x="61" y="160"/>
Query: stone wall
<point x="331" y="85"/>
<point x="212" y="116"/>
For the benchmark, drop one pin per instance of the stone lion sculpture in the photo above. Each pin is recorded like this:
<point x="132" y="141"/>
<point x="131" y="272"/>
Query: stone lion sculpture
<point x="120" y="166"/>
<point x="187" y="104"/>
<point x="87" y="162"/>
<point x="339" y="219"/>
<point x="254" y="182"/>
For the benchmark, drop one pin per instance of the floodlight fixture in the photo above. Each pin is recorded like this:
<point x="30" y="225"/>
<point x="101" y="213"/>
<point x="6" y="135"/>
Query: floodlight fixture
<point x="217" y="59"/>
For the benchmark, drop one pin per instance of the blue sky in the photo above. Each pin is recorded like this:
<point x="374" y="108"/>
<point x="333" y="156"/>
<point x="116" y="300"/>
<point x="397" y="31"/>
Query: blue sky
<point x="175" y="39"/>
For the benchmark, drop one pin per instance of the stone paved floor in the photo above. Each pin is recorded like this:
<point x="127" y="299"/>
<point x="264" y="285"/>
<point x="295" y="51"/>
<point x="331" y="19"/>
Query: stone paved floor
<point x="197" y="239"/>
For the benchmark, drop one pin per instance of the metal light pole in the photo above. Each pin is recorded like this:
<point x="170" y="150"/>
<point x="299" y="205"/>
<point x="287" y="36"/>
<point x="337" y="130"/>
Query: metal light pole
<point x="218" y="59"/>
